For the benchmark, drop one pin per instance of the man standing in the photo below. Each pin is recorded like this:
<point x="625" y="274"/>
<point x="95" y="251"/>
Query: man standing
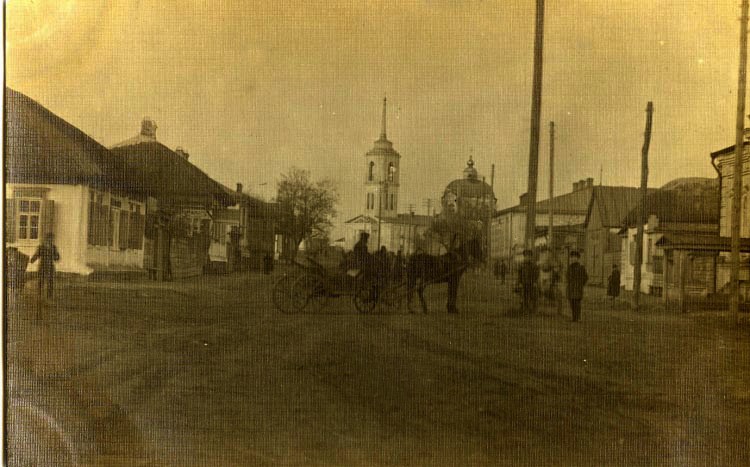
<point x="577" y="278"/>
<point x="47" y="255"/>
<point x="528" y="277"/>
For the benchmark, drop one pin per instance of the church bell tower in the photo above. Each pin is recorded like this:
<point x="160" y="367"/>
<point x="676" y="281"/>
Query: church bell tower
<point x="382" y="176"/>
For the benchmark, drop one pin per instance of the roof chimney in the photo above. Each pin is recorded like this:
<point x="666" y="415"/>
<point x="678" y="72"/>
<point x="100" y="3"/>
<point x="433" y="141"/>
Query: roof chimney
<point x="575" y="186"/>
<point x="182" y="152"/>
<point x="523" y="199"/>
<point x="589" y="182"/>
<point x="148" y="127"/>
<point x="239" y="188"/>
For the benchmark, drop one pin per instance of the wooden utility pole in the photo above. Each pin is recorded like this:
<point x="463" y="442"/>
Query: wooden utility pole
<point x="550" y="245"/>
<point x="642" y="209"/>
<point x="739" y="150"/>
<point x="490" y="216"/>
<point x="536" y="110"/>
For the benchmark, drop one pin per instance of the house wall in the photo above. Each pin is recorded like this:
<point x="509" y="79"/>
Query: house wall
<point x="651" y="271"/>
<point x="725" y="164"/>
<point x="507" y="231"/>
<point x="69" y="225"/>
<point x="699" y="274"/>
<point x="113" y="256"/>
<point x="602" y="249"/>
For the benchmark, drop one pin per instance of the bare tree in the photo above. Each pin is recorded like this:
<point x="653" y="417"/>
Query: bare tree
<point x="306" y="207"/>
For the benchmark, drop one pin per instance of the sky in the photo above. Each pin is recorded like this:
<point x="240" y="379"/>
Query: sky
<point x="252" y="88"/>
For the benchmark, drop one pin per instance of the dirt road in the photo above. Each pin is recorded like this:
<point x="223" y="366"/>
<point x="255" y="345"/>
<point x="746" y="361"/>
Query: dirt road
<point x="206" y="372"/>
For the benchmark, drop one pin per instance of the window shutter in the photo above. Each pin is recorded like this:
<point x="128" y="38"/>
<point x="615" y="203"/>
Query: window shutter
<point x="93" y="222"/>
<point x="124" y="222"/>
<point x="48" y="217"/>
<point x="10" y="220"/>
<point x="103" y="225"/>
<point x="135" y="231"/>
<point x="139" y="227"/>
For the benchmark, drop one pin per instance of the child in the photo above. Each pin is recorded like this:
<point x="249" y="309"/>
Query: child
<point x="47" y="253"/>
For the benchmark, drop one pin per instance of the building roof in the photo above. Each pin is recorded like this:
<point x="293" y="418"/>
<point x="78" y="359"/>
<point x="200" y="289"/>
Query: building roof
<point x="727" y="150"/>
<point x="166" y="174"/>
<point x="226" y="215"/>
<point x="412" y="219"/>
<point x="614" y="203"/>
<point x="43" y="148"/>
<point x="361" y="218"/>
<point x="576" y="202"/>
<point x="670" y="206"/>
<point x="673" y="241"/>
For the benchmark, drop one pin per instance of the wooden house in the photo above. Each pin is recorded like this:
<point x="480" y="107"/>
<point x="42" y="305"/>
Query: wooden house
<point x="674" y="213"/>
<point x="60" y="181"/>
<point x="182" y="199"/>
<point x="608" y="207"/>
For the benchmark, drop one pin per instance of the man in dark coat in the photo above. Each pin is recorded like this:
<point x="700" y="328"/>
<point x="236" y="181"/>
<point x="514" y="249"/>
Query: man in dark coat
<point x="577" y="278"/>
<point x="47" y="255"/>
<point x="528" y="279"/>
<point x="613" y="283"/>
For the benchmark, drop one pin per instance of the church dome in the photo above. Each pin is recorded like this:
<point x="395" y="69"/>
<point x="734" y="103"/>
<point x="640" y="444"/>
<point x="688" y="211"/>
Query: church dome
<point x="470" y="187"/>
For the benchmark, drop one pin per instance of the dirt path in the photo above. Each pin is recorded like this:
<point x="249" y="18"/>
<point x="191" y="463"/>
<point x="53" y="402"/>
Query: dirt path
<point x="207" y="373"/>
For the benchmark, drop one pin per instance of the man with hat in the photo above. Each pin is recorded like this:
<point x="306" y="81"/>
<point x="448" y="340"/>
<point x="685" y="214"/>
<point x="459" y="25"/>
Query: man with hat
<point x="577" y="278"/>
<point x="528" y="277"/>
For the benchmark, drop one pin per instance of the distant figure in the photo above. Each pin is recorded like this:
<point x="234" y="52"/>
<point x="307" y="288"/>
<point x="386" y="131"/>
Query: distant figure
<point x="398" y="267"/>
<point x="613" y="283"/>
<point x="577" y="278"/>
<point x="47" y="254"/>
<point x="500" y="270"/>
<point x="382" y="263"/>
<point x="361" y="253"/>
<point x="528" y="278"/>
<point x="267" y="264"/>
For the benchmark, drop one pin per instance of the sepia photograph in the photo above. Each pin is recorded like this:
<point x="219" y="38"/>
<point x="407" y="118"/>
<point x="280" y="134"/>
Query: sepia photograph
<point x="376" y="233"/>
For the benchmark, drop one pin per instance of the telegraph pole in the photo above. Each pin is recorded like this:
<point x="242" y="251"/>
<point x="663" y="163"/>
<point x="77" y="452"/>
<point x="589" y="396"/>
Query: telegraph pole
<point x="739" y="149"/>
<point x="536" y="110"/>
<point x="550" y="246"/>
<point x="642" y="210"/>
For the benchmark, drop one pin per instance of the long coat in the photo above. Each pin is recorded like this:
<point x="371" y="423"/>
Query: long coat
<point x="613" y="284"/>
<point x="577" y="278"/>
<point x="47" y="254"/>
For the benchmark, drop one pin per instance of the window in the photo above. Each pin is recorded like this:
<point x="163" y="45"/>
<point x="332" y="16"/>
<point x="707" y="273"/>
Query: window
<point x="371" y="172"/>
<point x="391" y="171"/>
<point x="28" y="219"/>
<point x="391" y="203"/>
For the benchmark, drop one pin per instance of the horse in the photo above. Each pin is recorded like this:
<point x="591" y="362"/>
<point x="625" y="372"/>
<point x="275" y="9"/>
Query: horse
<point x="423" y="269"/>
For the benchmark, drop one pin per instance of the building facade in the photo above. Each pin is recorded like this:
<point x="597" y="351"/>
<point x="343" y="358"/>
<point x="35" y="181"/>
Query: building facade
<point x="62" y="182"/>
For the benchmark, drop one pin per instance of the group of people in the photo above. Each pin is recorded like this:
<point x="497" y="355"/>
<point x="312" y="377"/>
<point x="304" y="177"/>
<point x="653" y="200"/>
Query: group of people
<point x="576" y="278"/>
<point x="383" y="264"/>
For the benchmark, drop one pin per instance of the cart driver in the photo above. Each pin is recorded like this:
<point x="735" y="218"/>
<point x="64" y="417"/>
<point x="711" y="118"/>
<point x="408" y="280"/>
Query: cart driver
<point x="361" y="255"/>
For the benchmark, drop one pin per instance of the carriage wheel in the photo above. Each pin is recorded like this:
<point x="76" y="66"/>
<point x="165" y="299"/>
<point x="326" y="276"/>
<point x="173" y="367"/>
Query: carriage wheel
<point x="391" y="297"/>
<point x="312" y="290"/>
<point x="366" y="297"/>
<point x="284" y="296"/>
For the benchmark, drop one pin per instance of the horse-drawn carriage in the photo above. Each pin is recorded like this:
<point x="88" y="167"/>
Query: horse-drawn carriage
<point x="308" y="287"/>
